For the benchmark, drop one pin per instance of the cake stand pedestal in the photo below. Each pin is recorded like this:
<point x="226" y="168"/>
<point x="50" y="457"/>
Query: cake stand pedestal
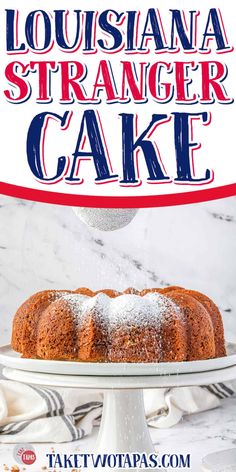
<point x="123" y="427"/>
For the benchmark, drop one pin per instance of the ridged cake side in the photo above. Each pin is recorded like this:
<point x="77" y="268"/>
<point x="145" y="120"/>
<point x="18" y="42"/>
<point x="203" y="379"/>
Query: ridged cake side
<point x="153" y="325"/>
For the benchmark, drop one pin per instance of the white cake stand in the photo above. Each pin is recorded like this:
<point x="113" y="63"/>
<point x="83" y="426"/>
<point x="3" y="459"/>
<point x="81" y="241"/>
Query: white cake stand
<point x="123" y="426"/>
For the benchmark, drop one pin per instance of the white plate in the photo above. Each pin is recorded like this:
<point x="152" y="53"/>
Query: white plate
<point x="121" y="382"/>
<point x="220" y="461"/>
<point x="10" y="358"/>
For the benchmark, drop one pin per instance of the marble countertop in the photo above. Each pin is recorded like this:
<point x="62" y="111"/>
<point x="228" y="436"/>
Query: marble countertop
<point x="46" y="247"/>
<point x="198" y="434"/>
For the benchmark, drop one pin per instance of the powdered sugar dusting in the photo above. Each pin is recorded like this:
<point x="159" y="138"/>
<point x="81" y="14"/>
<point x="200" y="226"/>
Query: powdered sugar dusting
<point x="61" y="294"/>
<point x="128" y="309"/>
<point x="76" y="304"/>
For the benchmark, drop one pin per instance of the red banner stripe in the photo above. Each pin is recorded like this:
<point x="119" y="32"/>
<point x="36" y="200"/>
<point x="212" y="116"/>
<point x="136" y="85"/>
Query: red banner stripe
<point x="146" y="201"/>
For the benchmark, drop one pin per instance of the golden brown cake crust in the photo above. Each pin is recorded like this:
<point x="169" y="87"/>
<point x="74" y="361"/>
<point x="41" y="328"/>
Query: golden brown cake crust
<point x="85" y="291"/>
<point x="24" y="331"/>
<point x="188" y="327"/>
<point x="213" y="311"/>
<point x="145" y="291"/>
<point x="109" y="292"/>
<point x="216" y="319"/>
<point x="131" y="291"/>
<point x="199" y="328"/>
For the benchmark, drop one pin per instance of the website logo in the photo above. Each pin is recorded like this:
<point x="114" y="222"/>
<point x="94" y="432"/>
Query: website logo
<point x="24" y="454"/>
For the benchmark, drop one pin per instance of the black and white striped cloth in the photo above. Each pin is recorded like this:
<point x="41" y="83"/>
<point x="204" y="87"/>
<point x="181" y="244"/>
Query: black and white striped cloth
<point x="36" y="414"/>
<point x="221" y="390"/>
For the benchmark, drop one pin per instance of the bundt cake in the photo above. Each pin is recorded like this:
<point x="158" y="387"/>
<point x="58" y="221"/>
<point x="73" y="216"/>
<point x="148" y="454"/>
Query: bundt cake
<point x="152" y="325"/>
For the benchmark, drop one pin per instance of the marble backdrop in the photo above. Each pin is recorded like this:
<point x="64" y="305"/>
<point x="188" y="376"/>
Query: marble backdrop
<point x="45" y="246"/>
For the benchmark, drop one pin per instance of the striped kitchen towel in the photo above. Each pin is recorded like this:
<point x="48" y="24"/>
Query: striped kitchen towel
<point x="36" y="414"/>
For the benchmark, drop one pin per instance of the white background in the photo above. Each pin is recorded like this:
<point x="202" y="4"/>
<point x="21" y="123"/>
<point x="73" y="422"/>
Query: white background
<point x="217" y="150"/>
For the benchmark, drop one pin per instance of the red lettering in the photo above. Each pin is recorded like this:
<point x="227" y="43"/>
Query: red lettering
<point x="69" y="82"/>
<point x="183" y="81"/>
<point x="104" y="81"/>
<point x="44" y="78"/>
<point x="161" y="91"/>
<point x="129" y="81"/>
<point x="213" y="74"/>
<point x="15" y="72"/>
